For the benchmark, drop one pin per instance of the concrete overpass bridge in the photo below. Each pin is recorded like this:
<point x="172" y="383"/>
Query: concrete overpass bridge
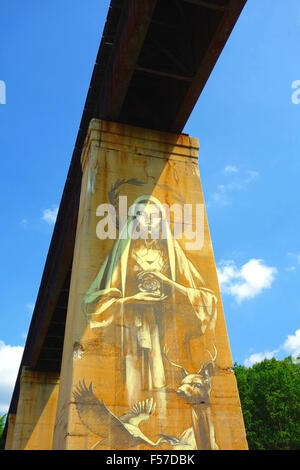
<point x="154" y="60"/>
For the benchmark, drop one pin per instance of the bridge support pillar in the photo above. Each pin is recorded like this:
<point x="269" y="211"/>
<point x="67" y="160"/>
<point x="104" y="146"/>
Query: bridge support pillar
<point x="146" y="359"/>
<point x="10" y="431"/>
<point x="33" y="425"/>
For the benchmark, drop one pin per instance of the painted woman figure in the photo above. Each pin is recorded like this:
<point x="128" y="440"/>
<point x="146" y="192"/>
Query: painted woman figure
<point x="147" y="298"/>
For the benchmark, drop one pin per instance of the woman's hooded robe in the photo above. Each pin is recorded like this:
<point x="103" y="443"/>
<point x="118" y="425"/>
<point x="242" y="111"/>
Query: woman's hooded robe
<point x="140" y="334"/>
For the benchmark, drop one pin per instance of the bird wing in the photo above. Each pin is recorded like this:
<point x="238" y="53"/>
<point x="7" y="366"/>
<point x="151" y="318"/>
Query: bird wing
<point x="94" y="414"/>
<point x="141" y="411"/>
<point x="171" y="439"/>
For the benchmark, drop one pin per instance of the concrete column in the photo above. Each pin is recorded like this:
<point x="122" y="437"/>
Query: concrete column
<point x="35" y="418"/>
<point x="146" y="351"/>
<point x="10" y="431"/>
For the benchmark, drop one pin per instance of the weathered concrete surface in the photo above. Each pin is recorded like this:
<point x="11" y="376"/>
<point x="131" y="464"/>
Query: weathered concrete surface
<point x="35" y="418"/>
<point x="117" y="341"/>
<point x="10" y="431"/>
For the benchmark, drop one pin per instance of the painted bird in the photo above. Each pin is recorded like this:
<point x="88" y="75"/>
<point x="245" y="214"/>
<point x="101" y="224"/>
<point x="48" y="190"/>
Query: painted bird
<point x="121" y="433"/>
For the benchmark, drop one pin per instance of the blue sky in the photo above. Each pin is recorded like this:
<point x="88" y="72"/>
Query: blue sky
<point x="249" y="131"/>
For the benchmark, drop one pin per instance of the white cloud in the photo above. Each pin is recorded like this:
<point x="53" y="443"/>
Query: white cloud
<point x="10" y="358"/>
<point x="295" y="260"/>
<point x="292" y="344"/>
<point x="222" y="197"/>
<point x="219" y="199"/>
<point x="259" y="357"/>
<point x="230" y="169"/>
<point x="24" y="222"/>
<point x="2" y="92"/>
<point x="295" y="257"/>
<point x="291" y="269"/>
<point x="245" y="282"/>
<point x="49" y="215"/>
<point x="30" y="307"/>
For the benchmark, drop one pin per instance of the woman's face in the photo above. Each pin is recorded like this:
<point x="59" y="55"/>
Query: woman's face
<point x="150" y="220"/>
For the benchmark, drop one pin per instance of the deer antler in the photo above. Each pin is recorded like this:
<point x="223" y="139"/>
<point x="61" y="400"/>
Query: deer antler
<point x="212" y="359"/>
<point x="216" y="352"/>
<point x="183" y="369"/>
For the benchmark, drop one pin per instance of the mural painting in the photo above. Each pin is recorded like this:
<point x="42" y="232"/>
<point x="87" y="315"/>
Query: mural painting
<point x="133" y="300"/>
<point x="146" y="339"/>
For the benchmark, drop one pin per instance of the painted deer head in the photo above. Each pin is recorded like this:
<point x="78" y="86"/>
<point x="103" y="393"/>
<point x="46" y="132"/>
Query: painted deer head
<point x="196" y="388"/>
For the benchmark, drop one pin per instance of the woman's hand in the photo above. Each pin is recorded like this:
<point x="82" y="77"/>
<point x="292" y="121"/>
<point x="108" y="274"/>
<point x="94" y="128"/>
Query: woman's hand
<point x="156" y="274"/>
<point x="144" y="298"/>
<point x="169" y="282"/>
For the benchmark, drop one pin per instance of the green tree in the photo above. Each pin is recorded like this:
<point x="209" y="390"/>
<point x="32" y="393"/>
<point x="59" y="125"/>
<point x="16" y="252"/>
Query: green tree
<point x="2" y="424"/>
<point x="270" y="399"/>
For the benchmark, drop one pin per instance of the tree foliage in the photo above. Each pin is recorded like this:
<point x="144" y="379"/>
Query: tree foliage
<point x="270" y="399"/>
<point x="2" y="424"/>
